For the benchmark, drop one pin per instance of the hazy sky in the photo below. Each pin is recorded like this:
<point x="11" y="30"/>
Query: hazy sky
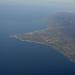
<point x="66" y="4"/>
<point x="37" y="1"/>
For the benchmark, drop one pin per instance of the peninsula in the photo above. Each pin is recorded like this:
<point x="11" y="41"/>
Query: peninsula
<point x="59" y="34"/>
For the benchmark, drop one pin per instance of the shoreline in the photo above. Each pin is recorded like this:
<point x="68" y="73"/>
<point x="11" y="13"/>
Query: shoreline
<point x="54" y="47"/>
<point x="61" y="50"/>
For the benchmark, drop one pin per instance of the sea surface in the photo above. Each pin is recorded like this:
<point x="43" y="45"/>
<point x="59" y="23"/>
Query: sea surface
<point x="27" y="58"/>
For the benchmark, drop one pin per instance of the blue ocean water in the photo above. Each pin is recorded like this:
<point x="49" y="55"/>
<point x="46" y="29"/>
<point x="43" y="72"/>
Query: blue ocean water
<point x="24" y="58"/>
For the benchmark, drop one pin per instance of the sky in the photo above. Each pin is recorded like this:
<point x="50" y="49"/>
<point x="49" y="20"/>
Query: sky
<point x="67" y="4"/>
<point x="71" y="2"/>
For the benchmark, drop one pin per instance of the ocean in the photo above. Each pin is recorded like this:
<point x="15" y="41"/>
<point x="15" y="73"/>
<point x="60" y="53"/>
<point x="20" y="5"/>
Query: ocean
<point x="27" y="58"/>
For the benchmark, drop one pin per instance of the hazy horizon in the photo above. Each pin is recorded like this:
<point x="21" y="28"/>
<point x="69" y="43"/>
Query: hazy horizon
<point x="62" y="5"/>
